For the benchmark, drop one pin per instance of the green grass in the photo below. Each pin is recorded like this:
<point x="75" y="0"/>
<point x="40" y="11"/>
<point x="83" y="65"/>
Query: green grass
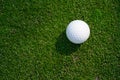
<point x="33" y="45"/>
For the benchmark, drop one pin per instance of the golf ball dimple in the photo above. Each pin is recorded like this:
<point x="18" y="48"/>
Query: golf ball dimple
<point x="78" y="31"/>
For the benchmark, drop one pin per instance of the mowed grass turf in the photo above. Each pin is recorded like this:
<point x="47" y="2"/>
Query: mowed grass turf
<point x="33" y="44"/>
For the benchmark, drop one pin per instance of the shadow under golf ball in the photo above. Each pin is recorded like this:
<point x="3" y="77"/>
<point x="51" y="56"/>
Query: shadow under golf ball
<point x="64" y="46"/>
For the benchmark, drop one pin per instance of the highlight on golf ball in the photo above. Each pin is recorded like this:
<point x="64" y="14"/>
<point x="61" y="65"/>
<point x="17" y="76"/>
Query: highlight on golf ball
<point x="77" y="31"/>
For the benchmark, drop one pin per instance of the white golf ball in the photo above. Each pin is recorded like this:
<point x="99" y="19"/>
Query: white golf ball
<point x="78" y="31"/>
